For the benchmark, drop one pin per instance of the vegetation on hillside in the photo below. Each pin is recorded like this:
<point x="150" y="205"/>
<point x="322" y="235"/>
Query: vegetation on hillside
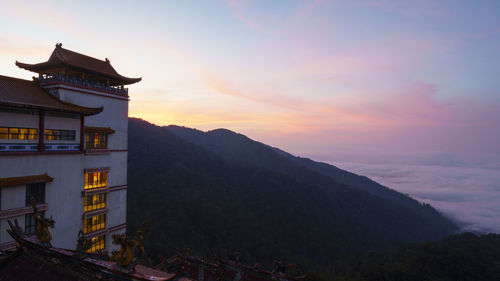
<point x="464" y="257"/>
<point x="254" y="199"/>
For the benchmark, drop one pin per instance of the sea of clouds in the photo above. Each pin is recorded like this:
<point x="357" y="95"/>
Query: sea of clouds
<point x="468" y="195"/>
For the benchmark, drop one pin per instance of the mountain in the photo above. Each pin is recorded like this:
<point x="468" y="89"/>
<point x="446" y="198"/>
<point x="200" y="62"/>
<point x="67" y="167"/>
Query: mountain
<point x="220" y="190"/>
<point x="239" y="148"/>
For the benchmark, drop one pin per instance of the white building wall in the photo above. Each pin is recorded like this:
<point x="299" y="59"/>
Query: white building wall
<point x="13" y="197"/>
<point x="117" y="163"/>
<point x="14" y="119"/>
<point x="114" y="116"/>
<point x="59" y="123"/>
<point x="63" y="194"/>
<point x="116" y="206"/>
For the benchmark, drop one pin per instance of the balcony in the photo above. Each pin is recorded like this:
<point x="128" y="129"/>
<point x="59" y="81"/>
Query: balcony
<point x="45" y="79"/>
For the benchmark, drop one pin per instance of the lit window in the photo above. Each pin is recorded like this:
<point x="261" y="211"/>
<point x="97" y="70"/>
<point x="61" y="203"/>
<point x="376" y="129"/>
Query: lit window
<point x="94" y="223"/>
<point x="23" y="134"/>
<point x="96" y="244"/>
<point x="51" y="134"/>
<point x="96" y="179"/>
<point x="18" y="133"/>
<point x="33" y="134"/>
<point x="96" y="140"/>
<point x="94" y="202"/>
<point x="4" y="133"/>
<point x="14" y="133"/>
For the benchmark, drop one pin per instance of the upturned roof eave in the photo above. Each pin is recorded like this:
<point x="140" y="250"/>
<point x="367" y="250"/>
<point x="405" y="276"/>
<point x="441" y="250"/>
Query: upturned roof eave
<point x="83" y="110"/>
<point x="11" y="88"/>
<point x="44" y="66"/>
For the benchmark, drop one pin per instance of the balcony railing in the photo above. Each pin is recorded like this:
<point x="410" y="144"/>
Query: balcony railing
<point x="33" y="147"/>
<point x="82" y="82"/>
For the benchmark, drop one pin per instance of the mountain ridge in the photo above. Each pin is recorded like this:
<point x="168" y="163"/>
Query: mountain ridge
<point x="265" y="205"/>
<point x="329" y="170"/>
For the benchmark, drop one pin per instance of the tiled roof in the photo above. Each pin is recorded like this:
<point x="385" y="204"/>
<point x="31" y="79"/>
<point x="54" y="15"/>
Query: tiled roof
<point x="16" y="92"/>
<point x="22" y="267"/>
<point x="15" y="181"/>
<point x="51" y="263"/>
<point x="66" y="58"/>
<point x="229" y="270"/>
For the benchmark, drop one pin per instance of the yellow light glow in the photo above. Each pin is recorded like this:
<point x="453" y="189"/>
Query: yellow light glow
<point x="96" y="180"/>
<point x="96" y="243"/>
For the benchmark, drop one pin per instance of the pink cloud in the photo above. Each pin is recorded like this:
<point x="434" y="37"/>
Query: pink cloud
<point x="407" y="118"/>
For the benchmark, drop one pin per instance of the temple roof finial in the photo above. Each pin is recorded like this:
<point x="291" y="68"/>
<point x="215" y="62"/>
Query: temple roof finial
<point x="107" y="60"/>
<point x="59" y="45"/>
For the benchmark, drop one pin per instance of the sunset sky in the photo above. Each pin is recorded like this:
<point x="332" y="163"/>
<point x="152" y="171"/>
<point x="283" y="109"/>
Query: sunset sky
<point x="312" y="77"/>
<point x="379" y="81"/>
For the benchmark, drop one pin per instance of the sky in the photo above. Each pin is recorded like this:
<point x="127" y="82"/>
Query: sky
<point x="375" y="82"/>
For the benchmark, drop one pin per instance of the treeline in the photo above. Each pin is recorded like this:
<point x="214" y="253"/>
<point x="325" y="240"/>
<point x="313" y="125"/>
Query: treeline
<point x="463" y="257"/>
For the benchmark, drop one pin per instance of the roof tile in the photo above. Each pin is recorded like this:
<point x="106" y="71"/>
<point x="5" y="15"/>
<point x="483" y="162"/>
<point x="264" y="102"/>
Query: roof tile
<point x="16" y="92"/>
<point x="66" y="58"/>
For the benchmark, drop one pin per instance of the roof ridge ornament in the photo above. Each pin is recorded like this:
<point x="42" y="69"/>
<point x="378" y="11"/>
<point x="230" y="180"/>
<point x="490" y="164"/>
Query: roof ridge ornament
<point x="107" y="60"/>
<point x="59" y="45"/>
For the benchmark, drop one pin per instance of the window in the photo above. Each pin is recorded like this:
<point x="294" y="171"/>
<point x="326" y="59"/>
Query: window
<point x="37" y="190"/>
<point x="51" y="134"/>
<point x="18" y="133"/>
<point x="96" y="140"/>
<point x="96" y="179"/>
<point x="94" y="223"/>
<point x="96" y="244"/>
<point x="30" y="223"/>
<point x="94" y="202"/>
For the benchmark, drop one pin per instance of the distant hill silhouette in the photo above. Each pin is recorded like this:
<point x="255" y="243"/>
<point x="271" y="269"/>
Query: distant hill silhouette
<point x="239" y="148"/>
<point x="223" y="191"/>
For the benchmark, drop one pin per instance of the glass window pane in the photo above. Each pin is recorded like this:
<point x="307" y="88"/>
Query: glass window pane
<point x="96" y="179"/>
<point x="33" y="134"/>
<point x="37" y="191"/>
<point x="13" y="133"/>
<point x="23" y="133"/>
<point x="95" y="140"/>
<point x="4" y="133"/>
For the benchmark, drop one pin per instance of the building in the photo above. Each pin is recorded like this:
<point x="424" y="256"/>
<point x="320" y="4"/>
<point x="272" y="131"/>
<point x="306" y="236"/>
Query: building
<point x="34" y="260"/>
<point x="63" y="141"/>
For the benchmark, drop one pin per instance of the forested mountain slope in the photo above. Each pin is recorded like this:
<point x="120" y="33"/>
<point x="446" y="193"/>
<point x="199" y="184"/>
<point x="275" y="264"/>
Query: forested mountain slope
<point x="237" y="148"/>
<point x="463" y="257"/>
<point x="245" y="196"/>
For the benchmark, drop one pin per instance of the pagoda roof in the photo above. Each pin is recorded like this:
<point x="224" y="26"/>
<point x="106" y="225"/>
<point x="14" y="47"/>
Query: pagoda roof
<point x="22" y="93"/>
<point x="20" y="266"/>
<point x="63" y="58"/>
